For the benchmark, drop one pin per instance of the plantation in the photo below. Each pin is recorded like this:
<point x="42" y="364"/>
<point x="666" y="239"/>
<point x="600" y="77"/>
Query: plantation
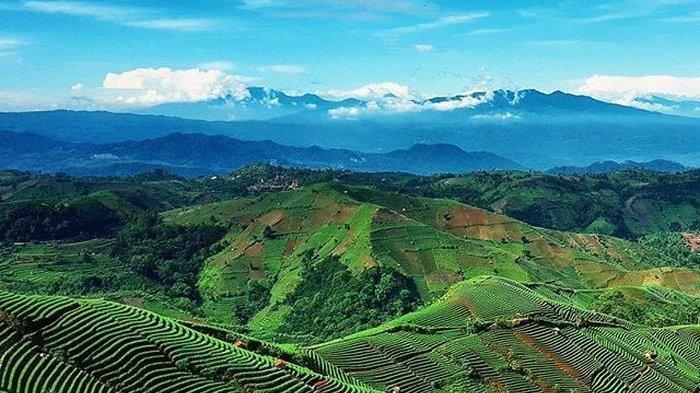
<point x="61" y="345"/>
<point x="477" y="338"/>
<point x="338" y="284"/>
<point x="280" y="241"/>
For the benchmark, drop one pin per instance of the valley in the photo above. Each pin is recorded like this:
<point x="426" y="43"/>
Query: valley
<point x="272" y="279"/>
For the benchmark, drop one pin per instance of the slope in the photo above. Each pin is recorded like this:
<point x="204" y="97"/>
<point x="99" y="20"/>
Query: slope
<point x="57" y="344"/>
<point x="283" y="248"/>
<point x="491" y="334"/>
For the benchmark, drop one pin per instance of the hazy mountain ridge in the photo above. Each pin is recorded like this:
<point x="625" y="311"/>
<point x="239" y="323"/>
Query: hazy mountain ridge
<point x="611" y="166"/>
<point x="268" y="104"/>
<point x="535" y="129"/>
<point x="197" y="154"/>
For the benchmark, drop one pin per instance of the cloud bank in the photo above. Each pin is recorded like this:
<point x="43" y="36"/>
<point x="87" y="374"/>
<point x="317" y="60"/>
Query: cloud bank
<point x="372" y="91"/>
<point x="153" y="86"/>
<point x="626" y="88"/>
<point x="639" y="92"/>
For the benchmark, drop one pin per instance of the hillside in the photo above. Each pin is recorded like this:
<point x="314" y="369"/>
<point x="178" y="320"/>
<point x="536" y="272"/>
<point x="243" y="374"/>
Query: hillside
<point x="626" y="204"/>
<point x="612" y="166"/>
<point x="55" y="344"/>
<point x="266" y="280"/>
<point x="486" y="334"/>
<point x="283" y="249"/>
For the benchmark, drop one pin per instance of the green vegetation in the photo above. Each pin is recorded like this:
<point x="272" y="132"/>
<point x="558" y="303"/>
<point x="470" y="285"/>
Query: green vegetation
<point x="625" y="204"/>
<point x="281" y="280"/>
<point x="330" y="301"/>
<point x="663" y="313"/>
<point x="169" y="256"/>
<point x="54" y="344"/>
<point x="674" y="245"/>
<point x="478" y="338"/>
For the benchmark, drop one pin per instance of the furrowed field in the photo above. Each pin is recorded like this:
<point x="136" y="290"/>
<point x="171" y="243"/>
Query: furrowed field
<point x="277" y="280"/>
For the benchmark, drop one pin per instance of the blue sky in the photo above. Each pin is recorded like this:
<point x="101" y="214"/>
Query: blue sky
<point x="59" y="53"/>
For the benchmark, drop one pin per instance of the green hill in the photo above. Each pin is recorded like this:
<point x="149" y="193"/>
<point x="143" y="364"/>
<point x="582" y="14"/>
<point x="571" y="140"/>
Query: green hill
<point x="490" y="334"/>
<point x="268" y="281"/>
<point x="626" y="204"/>
<point x="56" y="344"/>
<point x="486" y="334"/>
<point x="284" y="248"/>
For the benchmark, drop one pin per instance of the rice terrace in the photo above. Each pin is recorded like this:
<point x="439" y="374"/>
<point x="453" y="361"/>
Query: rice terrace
<point x="346" y="196"/>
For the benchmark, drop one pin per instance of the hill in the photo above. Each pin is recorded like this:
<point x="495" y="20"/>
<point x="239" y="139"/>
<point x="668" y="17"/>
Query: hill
<point x="287" y="254"/>
<point x="626" y="204"/>
<point x="267" y="280"/>
<point x="198" y="154"/>
<point x="612" y="166"/>
<point x="486" y="334"/>
<point x="489" y="334"/>
<point x="62" y="345"/>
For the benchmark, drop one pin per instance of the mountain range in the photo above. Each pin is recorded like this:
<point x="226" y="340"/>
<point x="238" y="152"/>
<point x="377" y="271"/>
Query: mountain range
<point x="537" y="130"/>
<point x="268" y="104"/>
<point x="198" y="154"/>
<point x="612" y="166"/>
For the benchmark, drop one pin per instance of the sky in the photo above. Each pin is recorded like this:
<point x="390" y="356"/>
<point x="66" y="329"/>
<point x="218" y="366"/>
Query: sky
<point x="124" y="53"/>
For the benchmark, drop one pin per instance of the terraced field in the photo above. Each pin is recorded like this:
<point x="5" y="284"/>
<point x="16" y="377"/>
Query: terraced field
<point x="51" y="268"/>
<point x="491" y="334"/>
<point x="487" y="334"/>
<point x="337" y="288"/>
<point x="434" y="242"/>
<point x="55" y="344"/>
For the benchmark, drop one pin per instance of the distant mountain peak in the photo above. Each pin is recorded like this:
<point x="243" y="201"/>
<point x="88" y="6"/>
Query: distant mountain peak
<point x="436" y="148"/>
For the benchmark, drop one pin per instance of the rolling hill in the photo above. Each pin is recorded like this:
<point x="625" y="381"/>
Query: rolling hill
<point x="626" y="204"/>
<point x="612" y="166"/>
<point x="285" y="284"/>
<point x="198" y="154"/>
<point x="486" y="334"/>
<point x="284" y="249"/>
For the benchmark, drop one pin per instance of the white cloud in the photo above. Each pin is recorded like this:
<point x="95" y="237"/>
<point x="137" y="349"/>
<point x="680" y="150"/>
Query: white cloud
<point x="423" y="48"/>
<point x="221" y="65"/>
<point x="650" y="106"/>
<point x="128" y="16"/>
<point x="465" y="101"/>
<point x="9" y="46"/>
<point x="507" y="116"/>
<point x="693" y="17"/>
<point x="79" y="8"/>
<point x="484" y="32"/>
<point x="392" y="98"/>
<point x="9" y="43"/>
<point x="77" y="87"/>
<point x="372" y="91"/>
<point x="624" y="89"/>
<point x="363" y="10"/>
<point x="388" y="105"/>
<point x="175" y="24"/>
<point x="259" y="4"/>
<point x="153" y="86"/>
<point x="291" y="69"/>
<point x="445" y="21"/>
